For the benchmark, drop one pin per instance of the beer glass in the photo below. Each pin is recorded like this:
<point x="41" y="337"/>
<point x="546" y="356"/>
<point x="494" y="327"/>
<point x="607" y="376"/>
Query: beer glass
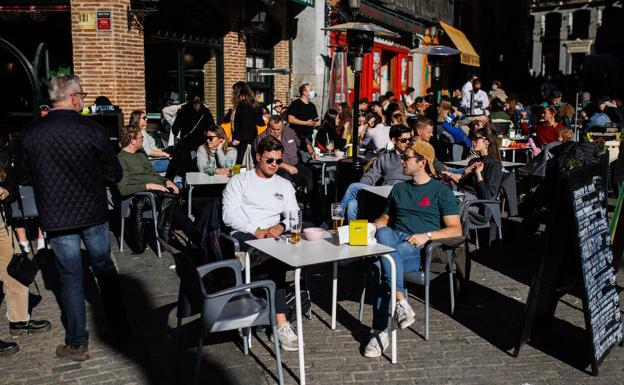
<point x="295" y="219"/>
<point x="337" y="215"/>
<point x="211" y="166"/>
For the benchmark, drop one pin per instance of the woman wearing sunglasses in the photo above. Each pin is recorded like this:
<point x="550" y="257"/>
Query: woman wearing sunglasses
<point x="482" y="176"/>
<point x="216" y="147"/>
<point x="138" y="119"/>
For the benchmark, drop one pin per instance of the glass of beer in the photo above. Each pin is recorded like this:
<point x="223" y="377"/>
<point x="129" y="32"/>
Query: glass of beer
<point x="295" y="219"/>
<point x="337" y="215"/>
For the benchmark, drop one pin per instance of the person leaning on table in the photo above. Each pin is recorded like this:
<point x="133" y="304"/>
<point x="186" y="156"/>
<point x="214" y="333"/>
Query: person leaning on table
<point x="418" y="211"/>
<point x="253" y="204"/>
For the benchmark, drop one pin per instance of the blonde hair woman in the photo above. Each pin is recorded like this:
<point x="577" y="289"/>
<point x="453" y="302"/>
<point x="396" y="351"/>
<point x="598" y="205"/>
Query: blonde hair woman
<point x="216" y="147"/>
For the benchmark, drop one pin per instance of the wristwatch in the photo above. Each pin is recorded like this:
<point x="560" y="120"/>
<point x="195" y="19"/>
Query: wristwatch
<point x="283" y="226"/>
<point x="428" y="234"/>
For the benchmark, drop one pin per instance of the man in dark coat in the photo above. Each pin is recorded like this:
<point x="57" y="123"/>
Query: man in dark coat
<point x="70" y="160"/>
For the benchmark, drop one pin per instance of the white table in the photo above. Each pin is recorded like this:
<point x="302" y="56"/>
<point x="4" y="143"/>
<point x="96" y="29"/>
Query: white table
<point x="384" y="191"/>
<point x="513" y="151"/>
<point x="325" y="160"/>
<point x="306" y="253"/>
<point x="464" y="163"/>
<point x="202" y="179"/>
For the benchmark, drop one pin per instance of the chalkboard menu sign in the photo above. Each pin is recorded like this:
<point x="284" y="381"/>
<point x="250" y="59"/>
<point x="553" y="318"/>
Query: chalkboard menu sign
<point x="578" y="259"/>
<point x="602" y="306"/>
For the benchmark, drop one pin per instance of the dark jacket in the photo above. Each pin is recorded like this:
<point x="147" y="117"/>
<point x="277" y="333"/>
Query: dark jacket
<point x="9" y="184"/>
<point x="492" y="176"/>
<point x="246" y="118"/>
<point x="69" y="160"/>
<point x="191" y="124"/>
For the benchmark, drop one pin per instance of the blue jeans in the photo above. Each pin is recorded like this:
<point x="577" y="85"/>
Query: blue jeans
<point x="68" y="257"/>
<point x="160" y="165"/>
<point x="406" y="258"/>
<point x="349" y="200"/>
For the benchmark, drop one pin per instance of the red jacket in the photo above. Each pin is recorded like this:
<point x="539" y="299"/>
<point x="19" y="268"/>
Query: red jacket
<point x="545" y="132"/>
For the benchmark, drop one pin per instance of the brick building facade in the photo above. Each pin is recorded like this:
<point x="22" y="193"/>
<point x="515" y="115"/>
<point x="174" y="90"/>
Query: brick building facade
<point x="202" y="47"/>
<point x="109" y="63"/>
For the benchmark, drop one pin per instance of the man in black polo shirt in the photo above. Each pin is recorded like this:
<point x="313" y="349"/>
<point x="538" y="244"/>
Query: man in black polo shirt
<point x="303" y="117"/>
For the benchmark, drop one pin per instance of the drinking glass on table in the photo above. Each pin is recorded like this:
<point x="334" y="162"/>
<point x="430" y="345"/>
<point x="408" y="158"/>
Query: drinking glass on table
<point x="337" y="215"/>
<point x="330" y="145"/>
<point x="295" y="220"/>
<point x="229" y="165"/>
<point x="211" y="166"/>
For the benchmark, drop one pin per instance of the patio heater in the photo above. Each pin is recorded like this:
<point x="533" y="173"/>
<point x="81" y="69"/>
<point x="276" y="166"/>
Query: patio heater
<point x="436" y="55"/>
<point x="360" y="38"/>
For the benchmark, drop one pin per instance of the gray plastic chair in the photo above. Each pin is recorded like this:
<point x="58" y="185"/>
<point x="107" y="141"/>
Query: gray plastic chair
<point x="147" y="214"/>
<point x="228" y="309"/>
<point x="24" y="207"/>
<point x="487" y="216"/>
<point x="423" y="277"/>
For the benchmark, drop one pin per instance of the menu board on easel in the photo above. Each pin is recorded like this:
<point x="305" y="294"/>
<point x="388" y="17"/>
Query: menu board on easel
<point x="578" y="256"/>
<point x="601" y="302"/>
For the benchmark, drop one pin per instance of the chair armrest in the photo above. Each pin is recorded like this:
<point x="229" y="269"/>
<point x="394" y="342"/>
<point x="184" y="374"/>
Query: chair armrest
<point x="228" y="263"/>
<point x="232" y="240"/>
<point x="485" y="202"/>
<point x="263" y="284"/>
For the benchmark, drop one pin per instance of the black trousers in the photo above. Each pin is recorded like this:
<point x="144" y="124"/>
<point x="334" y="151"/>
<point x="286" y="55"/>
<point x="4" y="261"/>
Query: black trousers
<point x="273" y="268"/>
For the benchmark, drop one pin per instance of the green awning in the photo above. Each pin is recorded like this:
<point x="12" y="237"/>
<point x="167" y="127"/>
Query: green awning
<point x="307" y="3"/>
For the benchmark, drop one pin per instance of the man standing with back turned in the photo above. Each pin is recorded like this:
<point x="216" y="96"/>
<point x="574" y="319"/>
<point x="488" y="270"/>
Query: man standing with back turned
<point x="70" y="160"/>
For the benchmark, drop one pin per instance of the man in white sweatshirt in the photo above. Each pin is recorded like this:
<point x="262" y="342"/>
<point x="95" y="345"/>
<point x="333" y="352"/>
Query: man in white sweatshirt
<point x="254" y="203"/>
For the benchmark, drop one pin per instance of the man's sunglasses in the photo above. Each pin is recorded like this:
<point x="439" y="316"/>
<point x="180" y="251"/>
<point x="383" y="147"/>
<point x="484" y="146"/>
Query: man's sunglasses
<point x="277" y="161"/>
<point x="404" y="140"/>
<point x="405" y="157"/>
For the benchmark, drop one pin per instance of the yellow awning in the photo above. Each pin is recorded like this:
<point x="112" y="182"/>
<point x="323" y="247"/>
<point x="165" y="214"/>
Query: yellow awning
<point x="468" y="55"/>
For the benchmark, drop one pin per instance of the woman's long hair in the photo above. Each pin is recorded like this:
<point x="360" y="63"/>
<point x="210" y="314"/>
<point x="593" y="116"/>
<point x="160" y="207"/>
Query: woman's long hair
<point x="345" y="116"/>
<point x="490" y="134"/>
<point x="135" y="118"/>
<point x="241" y="92"/>
<point x="444" y="110"/>
<point x="218" y="131"/>
<point x="329" y="121"/>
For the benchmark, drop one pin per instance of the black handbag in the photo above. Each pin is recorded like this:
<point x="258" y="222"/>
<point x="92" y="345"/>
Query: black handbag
<point x="21" y="268"/>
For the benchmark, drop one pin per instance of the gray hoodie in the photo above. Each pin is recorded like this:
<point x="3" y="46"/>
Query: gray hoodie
<point x="388" y="167"/>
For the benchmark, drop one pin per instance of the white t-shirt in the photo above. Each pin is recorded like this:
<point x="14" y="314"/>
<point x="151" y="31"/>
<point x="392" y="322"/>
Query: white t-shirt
<point x="251" y="202"/>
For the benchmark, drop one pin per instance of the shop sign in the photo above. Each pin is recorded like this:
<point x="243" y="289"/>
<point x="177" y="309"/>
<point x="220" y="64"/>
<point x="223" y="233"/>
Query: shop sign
<point x="86" y="20"/>
<point x="307" y="3"/>
<point x="104" y="20"/>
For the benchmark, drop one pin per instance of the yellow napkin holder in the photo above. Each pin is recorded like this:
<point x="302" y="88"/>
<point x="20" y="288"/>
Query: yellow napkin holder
<point x="358" y="232"/>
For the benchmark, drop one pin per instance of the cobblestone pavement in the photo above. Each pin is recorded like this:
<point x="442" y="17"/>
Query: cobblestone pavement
<point x="474" y="347"/>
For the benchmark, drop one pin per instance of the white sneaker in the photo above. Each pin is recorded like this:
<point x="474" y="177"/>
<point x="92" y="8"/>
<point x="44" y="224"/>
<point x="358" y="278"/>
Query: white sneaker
<point x="377" y="345"/>
<point x="25" y="247"/>
<point x="404" y="314"/>
<point x="287" y="338"/>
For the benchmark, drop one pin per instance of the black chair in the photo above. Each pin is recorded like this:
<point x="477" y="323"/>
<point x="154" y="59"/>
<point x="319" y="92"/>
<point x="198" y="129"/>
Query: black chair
<point x="24" y="208"/>
<point x="231" y="308"/>
<point x="147" y="214"/>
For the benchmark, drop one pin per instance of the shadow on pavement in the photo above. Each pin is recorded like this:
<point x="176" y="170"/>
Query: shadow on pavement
<point x="146" y="339"/>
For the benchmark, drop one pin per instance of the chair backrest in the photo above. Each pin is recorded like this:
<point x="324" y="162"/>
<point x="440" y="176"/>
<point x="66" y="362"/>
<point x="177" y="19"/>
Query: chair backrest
<point x="25" y="206"/>
<point x="508" y="190"/>
<point x="192" y="290"/>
